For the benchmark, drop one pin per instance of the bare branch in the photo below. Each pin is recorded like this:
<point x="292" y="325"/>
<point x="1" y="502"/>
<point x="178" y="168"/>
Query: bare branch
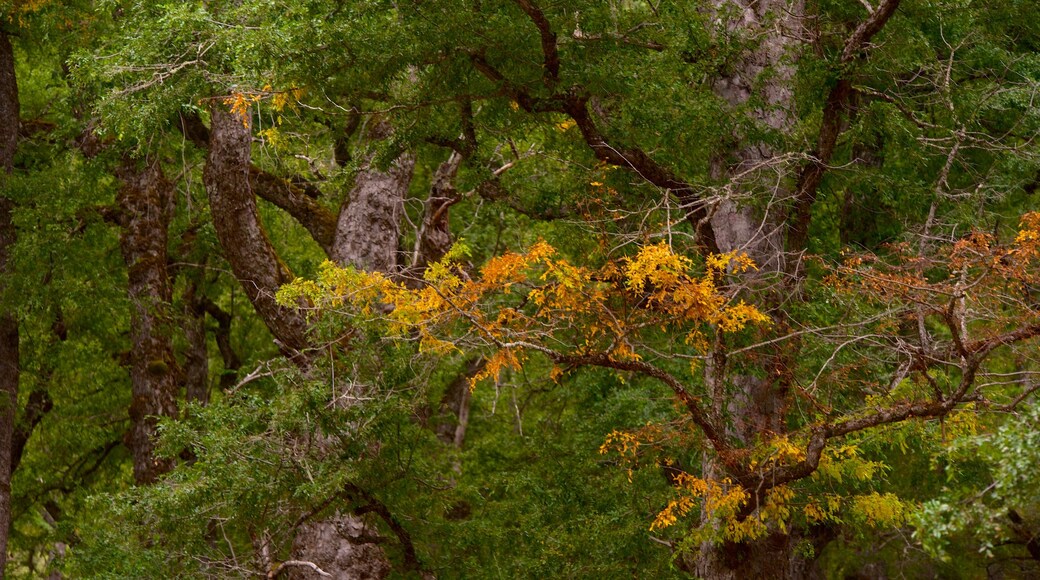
<point x="281" y="567"/>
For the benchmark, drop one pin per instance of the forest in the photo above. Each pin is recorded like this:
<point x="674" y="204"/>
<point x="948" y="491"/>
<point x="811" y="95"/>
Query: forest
<point x="365" y="289"/>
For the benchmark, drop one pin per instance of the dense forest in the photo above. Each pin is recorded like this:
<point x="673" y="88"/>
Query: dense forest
<point x="721" y="289"/>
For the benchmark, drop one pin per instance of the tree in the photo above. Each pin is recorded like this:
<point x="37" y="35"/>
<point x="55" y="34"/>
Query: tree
<point x="769" y="213"/>
<point x="9" y="362"/>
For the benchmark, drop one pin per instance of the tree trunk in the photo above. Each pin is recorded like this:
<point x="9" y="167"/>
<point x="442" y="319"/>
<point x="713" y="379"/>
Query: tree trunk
<point x="146" y="202"/>
<point x="341" y="545"/>
<point x="9" y="363"/>
<point x="755" y="405"/>
<point x="367" y="237"/>
<point x="767" y="72"/>
<point x="240" y="232"/>
<point x="777" y="556"/>
<point x="368" y="229"/>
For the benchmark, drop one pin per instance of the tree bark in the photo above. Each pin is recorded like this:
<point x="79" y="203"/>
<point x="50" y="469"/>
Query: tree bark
<point x="452" y="418"/>
<point x="9" y="362"/>
<point x="146" y="201"/>
<point x="775" y="556"/>
<point x="241" y="234"/>
<point x="368" y="229"/>
<point x="232" y="362"/>
<point x="766" y="71"/>
<point x="755" y="404"/>
<point x="341" y="545"/>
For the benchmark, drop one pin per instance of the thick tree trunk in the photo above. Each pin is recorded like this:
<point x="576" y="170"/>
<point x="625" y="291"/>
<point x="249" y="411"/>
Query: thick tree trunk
<point x="240" y="232"/>
<point x="341" y="545"/>
<point x="766" y="72"/>
<point x="146" y="203"/>
<point x="9" y="363"/>
<point x="368" y="229"/>
<point x="777" y="556"/>
<point x="367" y="237"/>
<point x="755" y="404"/>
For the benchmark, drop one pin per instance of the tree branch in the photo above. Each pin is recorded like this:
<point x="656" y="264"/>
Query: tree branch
<point x="725" y="451"/>
<point x="867" y="29"/>
<point x="373" y="505"/>
<point x="551" y="55"/>
<point x="811" y="174"/>
<point x="298" y="202"/>
<point x="242" y="235"/>
<point x="38" y="405"/>
<point x="575" y="105"/>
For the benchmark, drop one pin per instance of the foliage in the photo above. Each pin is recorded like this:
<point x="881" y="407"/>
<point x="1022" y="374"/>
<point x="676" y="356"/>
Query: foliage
<point x="634" y="396"/>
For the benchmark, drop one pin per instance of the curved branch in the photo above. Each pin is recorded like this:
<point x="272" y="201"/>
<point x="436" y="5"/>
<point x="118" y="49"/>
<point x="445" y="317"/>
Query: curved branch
<point x="242" y="237"/>
<point x="693" y="407"/>
<point x="575" y="105"/>
<point x="373" y="505"/>
<point x="298" y="202"/>
<point x="811" y="175"/>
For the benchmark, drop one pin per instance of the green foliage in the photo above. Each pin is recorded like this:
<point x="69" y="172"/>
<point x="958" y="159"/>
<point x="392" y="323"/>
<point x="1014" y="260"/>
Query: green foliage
<point x="990" y="487"/>
<point x="529" y="494"/>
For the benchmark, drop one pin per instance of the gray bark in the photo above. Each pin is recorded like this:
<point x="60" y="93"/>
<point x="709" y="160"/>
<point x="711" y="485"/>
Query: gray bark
<point x="434" y="238"/>
<point x="757" y="406"/>
<point x="754" y="171"/>
<point x="342" y="546"/>
<point x="367" y="237"/>
<point x="766" y="71"/>
<point x="368" y="229"/>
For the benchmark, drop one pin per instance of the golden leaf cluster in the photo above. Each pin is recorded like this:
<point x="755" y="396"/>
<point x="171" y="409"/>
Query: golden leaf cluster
<point x="537" y="300"/>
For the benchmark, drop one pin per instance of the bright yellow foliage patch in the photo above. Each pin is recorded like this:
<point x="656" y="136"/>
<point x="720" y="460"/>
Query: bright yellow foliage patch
<point x="538" y="301"/>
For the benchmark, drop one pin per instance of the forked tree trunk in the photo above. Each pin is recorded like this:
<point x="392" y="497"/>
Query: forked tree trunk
<point x="366" y="236"/>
